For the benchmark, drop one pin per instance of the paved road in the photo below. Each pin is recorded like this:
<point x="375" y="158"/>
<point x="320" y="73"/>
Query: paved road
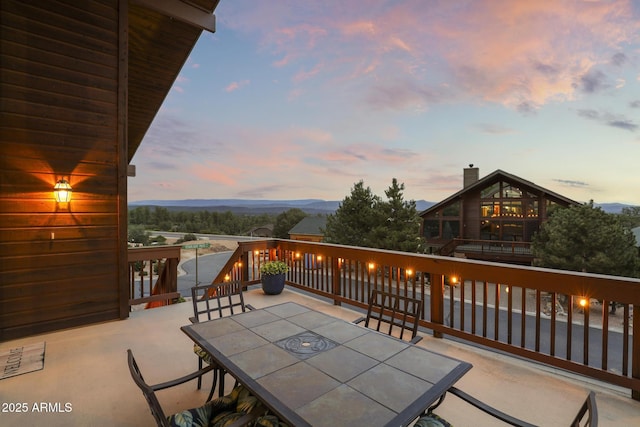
<point x="208" y="267"/>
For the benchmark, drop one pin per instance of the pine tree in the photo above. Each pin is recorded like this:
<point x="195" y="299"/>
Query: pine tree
<point x="585" y="238"/>
<point x="357" y="215"/>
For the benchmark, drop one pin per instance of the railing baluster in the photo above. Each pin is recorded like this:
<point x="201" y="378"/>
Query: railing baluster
<point x="462" y="304"/>
<point x="605" y="334"/>
<point x="569" y="327"/>
<point x="625" y="342"/>
<point x="552" y="340"/>
<point x="523" y="327"/>
<point x="509" y="292"/>
<point x="585" y="328"/>
<point x="485" y="293"/>
<point x="538" y="298"/>
<point x="473" y="307"/>
<point x="496" y="331"/>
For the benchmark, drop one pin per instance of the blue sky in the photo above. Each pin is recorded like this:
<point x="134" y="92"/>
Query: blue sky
<point x="292" y="99"/>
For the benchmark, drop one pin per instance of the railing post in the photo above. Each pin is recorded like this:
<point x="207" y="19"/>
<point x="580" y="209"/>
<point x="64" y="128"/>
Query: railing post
<point x="335" y="279"/>
<point x="244" y="271"/>
<point x="437" y="301"/>
<point x="635" y="350"/>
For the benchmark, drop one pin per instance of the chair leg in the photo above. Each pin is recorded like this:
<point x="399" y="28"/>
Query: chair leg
<point x="435" y="405"/>
<point x="200" y="377"/>
<point x="213" y="383"/>
<point x="221" y="384"/>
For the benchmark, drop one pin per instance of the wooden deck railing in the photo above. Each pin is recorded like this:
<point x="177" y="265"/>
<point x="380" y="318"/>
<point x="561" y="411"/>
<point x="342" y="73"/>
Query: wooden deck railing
<point x="153" y="263"/>
<point x="530" y="312"/>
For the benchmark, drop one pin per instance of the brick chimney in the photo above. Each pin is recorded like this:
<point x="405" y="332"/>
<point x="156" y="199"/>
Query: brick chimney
<point x="471" y="175"/>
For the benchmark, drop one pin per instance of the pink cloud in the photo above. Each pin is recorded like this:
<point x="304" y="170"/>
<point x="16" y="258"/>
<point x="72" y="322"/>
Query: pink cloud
<point x="509" y="52"/>
<point x="216" y="172"/>
<point x="307" y="74"/>
<point x="233" y="86"/>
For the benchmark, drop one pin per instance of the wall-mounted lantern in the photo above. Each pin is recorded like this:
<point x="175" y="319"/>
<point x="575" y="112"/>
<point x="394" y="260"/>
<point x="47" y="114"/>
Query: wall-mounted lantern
<point x="62" y="191"/>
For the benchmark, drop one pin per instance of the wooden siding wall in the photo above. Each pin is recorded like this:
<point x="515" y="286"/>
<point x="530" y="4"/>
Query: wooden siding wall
<point x="471" y="216"/>
<point x="61" y="116"/>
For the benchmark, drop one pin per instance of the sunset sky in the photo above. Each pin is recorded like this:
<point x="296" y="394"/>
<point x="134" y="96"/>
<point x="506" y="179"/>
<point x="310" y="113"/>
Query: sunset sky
<point x="298" y="99"/>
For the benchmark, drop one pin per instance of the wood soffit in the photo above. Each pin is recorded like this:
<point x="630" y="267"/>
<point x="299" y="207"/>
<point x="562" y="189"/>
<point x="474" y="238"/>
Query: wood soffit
<point x="162" y="34"/>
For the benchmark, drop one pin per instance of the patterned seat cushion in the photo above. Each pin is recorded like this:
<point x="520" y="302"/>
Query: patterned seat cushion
<point x="217" y="412"/>
<point x="202" y="354"/>
<point x="432" y="420"/>
<point x="268" y="421"/>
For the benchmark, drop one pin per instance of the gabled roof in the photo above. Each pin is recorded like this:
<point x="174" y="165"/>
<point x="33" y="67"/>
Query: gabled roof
<point x="310" y="225"/>
<point x="500" y="175"/>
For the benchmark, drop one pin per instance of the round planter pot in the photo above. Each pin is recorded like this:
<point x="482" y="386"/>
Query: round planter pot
<point x="273" y="284"/>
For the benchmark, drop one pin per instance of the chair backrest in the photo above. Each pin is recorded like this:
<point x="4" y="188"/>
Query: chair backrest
<point x="147" y="391"/>
<point x="589" y="409"/>
<point x="217" y="300"/>
<point x="399" y="312"/>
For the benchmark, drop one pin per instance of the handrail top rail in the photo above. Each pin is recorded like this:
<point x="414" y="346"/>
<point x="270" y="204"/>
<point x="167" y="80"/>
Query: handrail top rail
<point x="143" y="253"/>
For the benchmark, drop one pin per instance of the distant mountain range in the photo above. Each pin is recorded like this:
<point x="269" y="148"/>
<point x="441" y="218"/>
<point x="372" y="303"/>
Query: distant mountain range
<point x="248" y="206"/>
<point x="310" y="206"/>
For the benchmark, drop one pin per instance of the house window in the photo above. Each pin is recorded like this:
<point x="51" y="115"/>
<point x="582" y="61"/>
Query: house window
<point x="492" y="191"/>
<point x="450" y="229"/>
<point x="489" y="230"/>
<point x="511" y="192"/>
<point x="431" y="229"/>
<point x="512" y="209"/>
<point x="531" y="208"/>
<point x="452" y="210"/>
<point x="490" y="209"/>
<point x="504" y="206"/>
<point x="512" y="231"/>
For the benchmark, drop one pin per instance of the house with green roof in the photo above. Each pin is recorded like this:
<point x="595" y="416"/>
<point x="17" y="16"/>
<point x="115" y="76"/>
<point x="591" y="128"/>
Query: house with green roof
<point x="309" y="229"/>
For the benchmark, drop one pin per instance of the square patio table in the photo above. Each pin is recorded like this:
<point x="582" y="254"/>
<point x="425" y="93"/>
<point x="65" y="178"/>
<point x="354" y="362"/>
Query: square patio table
<point x="313" y="369"/>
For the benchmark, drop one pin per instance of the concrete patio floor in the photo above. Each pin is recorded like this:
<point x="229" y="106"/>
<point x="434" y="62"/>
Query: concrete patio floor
<point x="87" y="368"/>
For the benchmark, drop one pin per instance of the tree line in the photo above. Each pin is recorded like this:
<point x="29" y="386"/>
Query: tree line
<point x="206" y="222"/>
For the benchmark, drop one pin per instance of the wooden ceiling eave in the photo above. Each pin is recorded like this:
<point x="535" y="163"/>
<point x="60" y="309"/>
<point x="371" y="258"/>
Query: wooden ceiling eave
<point x="158" y="48"/>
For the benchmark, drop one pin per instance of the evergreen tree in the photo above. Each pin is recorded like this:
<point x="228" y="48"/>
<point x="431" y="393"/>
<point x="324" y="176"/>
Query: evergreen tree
<point x="357" y="215"/>
<point x="363" y="219"/>
<point x="400" y="229"/>
<point x="585" y="238"/>
<point x="630" y="216"/>
<point x="286" y="221"/>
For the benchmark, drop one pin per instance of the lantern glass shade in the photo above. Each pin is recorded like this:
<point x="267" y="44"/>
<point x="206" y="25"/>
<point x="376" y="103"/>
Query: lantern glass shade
<point x="62" y="191"/>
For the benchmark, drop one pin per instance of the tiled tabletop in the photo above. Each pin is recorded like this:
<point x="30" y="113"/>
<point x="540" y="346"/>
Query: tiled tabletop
<point x="314" y="369"/>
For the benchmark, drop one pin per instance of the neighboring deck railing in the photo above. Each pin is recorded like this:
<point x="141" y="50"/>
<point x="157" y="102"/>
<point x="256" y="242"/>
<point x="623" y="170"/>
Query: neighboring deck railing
<point x="487" y="248"/>
<point x="153" y="275"/>
<point x="527" y="322"/>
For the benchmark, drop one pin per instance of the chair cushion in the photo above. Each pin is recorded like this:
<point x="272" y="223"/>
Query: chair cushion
<point x="268" y="421"/>
<point x="196" y="417"/>
<point x="218" y="412"/>
<point x="432" y="420"/>
<point x="202" y="354"/>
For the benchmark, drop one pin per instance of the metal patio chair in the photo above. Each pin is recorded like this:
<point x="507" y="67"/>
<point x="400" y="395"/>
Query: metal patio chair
<point x="238" y="408"/>
<point x="587" y="415"/>
<point x="211" y="302"/>
<point x="389" y="313"/>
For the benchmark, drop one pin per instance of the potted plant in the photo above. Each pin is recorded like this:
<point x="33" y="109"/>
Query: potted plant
<point x="272" y="276"/>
